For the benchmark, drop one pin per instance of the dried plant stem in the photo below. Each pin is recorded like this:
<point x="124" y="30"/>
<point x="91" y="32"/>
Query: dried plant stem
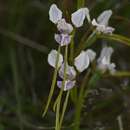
<point x="120" y="123"/>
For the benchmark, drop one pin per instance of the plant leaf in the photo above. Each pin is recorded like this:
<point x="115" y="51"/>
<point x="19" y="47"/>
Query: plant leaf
<point x="115" y="37"/>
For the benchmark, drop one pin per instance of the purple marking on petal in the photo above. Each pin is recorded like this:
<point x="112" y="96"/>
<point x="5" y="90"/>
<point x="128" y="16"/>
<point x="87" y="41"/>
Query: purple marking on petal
<point x="68" y="84"/>
<point x="70" y="72"/>
<point x="63" y="39"/>
<point x="64" y="27"/>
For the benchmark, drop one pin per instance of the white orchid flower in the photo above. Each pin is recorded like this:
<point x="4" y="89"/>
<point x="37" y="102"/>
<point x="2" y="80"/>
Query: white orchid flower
<point x="102" y="22"/>
<point x="104" y="61"/>
<point x="55" y="16"/>
<point x="70" y="72"/>
<point x="83" y="60"/>
<point x="63" y="39"/>
<point x="68" y="84"/>
<point x="52" y="57"/>
<point x="79" y="16"/>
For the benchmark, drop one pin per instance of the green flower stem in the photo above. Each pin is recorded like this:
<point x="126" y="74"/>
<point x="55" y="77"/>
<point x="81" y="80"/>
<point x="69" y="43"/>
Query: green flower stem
<point x="57" y="103"/>
<point x="64" y="108"/>
<point x="57" y="126"/>
<point x="80" y="3"/>
<point x="73" y="95"/>
<point x="118" y="74"/>
<point x="115" y="37"/>
<point x="63" y="83"/>
<point x="80" y="102"/>
<point x="71" y="57"/>
<point x="53" y="84"/>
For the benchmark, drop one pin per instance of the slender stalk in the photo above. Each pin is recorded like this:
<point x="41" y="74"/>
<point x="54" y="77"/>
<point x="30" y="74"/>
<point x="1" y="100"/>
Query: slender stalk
<point x="64" y="107"/>
<point x="71" y="57"/>
<point x="53" y="84"/>
<point x="119" y="74"/>
<point x="58" y="100"/>
<point x="63" y="83"/>
<point x="80" y="102"/>
<point x="80" y="3"/>
<point x="115" y="37"/>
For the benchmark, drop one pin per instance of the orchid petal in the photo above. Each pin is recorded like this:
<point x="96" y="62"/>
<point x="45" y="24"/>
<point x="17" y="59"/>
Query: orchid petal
<point x="104" y="61"/>
<point x="78" y="17"/>
<point x="104" y="17"/>
<point x="91" y="54"/>
<point x="55" y="14"/>
<point x="52" y="56"/>
<point x="94" y="22"/>
<point x="82" y="61"/>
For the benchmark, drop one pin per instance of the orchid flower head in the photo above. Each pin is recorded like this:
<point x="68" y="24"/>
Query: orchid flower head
<point x="83" y="60"/>
<point x="70" y="72"/>
<point x="104" y="61"/>
<point x="79" y="16"/>
<point x="68" y="84"/>
<point x="102" y="22"/>
<point x="52" y="58"/>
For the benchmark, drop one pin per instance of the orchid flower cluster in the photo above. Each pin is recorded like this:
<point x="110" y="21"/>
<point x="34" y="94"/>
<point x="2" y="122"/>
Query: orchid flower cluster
<point x="86" y="57"/>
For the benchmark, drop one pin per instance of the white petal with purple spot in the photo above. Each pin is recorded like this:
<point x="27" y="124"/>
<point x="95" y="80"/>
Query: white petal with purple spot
<point x="63" y="39"/>
<point x="68" y="84"/>
<point x="64" y="27"/>
<point x="70" y="72"/>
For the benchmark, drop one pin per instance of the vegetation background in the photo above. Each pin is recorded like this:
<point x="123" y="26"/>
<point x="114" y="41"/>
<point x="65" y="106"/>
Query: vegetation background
<point x="26" y="37"/>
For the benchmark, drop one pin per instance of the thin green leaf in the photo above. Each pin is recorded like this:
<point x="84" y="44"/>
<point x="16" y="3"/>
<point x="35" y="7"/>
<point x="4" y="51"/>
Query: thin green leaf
<point x="119" y="74"/>
<point x="115" y="37"/>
